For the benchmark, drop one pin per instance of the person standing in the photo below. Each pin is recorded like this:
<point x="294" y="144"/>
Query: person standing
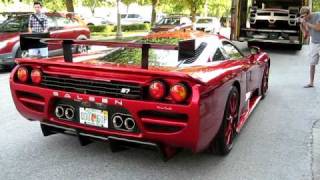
<point x="310" y="26"/>
<point x="38" y="23"/>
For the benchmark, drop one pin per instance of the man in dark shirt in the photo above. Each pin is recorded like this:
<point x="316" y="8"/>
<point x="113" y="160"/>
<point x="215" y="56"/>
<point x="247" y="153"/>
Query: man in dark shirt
<point x="38" y="23"/>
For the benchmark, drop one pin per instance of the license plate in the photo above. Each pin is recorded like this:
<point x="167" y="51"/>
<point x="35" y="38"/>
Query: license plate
<point x="94" y="117"/>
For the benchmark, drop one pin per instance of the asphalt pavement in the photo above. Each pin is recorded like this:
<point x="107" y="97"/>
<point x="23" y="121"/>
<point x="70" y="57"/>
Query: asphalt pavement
<point x="276" y="143"/>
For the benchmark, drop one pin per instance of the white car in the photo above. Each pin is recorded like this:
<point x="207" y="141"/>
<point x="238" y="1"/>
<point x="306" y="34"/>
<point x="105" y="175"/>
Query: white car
<point x="127" y="19"/>
<point x="2" y="18"/>
<point x="207" y="24"/>
<point x="96" y="21"/>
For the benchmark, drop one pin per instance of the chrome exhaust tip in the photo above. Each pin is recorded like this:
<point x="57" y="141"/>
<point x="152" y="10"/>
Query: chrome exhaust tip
<point x="117" y="122"/>
<point x="69" y="113"/>
<point x="129" y="124"/>
<point x="59" y="111"/>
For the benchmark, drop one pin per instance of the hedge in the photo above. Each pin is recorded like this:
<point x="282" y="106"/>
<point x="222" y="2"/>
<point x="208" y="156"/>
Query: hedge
<point x="100" y="28"/>
<point x="134" y="27"/>
<point x="109" y="28"/>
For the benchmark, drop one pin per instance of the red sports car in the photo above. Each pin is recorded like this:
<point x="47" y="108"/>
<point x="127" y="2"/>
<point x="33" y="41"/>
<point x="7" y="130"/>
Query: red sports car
<point x="195" y="92"/>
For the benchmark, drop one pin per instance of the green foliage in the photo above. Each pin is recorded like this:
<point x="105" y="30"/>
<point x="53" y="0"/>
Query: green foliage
<point x="193" y="7"/>
<point x="92" y="4"/>
<point x="54" y="5"/>
<point x="125" y="56"/>
<point x="101" y="28"/>
<point x="316" y="6"/>
<point x="128" y="2"/>
<point x="171" y="41"/>
<point x="134" y="27"/>
<point x="219" y="8"/>
<point x="133" y="56"/>
<point x="108" y="28"/>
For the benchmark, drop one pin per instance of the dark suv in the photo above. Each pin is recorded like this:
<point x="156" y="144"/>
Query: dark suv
<point x="60" y="26"/>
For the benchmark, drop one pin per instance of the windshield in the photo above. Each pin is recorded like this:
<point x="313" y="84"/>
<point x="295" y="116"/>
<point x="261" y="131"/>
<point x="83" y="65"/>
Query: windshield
<point x="204" y="21"/>
<point x="123" y="15"/>
<point x="15" y="24"/>
<point x="169" y="21"/>
<point x="157" y="57"/>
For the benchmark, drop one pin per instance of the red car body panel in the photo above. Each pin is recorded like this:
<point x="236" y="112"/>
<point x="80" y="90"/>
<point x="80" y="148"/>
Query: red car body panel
<point x="198" y="122"/>
<point x="11" y="38"/>
<point x="10" y="50"/>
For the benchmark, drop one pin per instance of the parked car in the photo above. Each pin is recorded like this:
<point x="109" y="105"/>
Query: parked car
<point x="196" y="92"/>
<point x="96" y="21"/>
<point x="2" y="18"/>
<point x="207" y="24"/>
<point x="60" y="26"/>
<point x="173" y="23"/>
<point x="127" y="19"/>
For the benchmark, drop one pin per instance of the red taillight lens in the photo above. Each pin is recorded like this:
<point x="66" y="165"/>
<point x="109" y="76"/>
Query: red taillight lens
<point x="157" y="90"/>
<point x="23" y="74"/>
<point x="36" y="76"/>
<point x="179" y="92"/>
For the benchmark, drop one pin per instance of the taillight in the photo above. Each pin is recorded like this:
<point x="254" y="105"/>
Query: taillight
<point x="23" y="74"/>
<point x="157" y="90"/>
<point x="179" y="92"/>
<point x="36" y="76"/>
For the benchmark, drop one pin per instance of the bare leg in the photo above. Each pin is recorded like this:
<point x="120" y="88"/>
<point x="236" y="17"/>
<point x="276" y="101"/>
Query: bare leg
<point x="312" y="72"/>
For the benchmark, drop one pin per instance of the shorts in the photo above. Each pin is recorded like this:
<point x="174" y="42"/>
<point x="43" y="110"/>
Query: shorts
<point x="39" y="52"/>
<point x="314" y="53"/>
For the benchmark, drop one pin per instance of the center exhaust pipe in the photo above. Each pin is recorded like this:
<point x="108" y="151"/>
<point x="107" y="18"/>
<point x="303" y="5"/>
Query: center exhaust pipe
<point x="69" y="113"/>
<point x="117" y="122"/>
<point x="129" y="124"/>
<point x="59" y="111"/>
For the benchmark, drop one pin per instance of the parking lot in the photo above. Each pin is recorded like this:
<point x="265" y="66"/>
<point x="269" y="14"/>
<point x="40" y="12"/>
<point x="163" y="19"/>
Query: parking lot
<point x="276" y="143"/>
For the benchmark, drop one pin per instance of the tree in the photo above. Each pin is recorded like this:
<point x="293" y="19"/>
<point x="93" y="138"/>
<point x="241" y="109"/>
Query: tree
<point x="127" y="3"/>
<point x="69" y="5"/>
<point x="173" y="6"/>
<point x="93" y="4"/>
<point x="194" y="6"/>
<point x="316" y="6"/>
<point x="219" y="8"/>
<point x="155" y="3"/>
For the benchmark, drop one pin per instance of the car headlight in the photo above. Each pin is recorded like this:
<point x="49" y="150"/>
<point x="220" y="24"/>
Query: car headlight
<point x="3" y="44"/>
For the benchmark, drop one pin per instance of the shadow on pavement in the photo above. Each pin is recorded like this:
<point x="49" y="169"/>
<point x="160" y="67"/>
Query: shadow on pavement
<point x="285" y="49"/>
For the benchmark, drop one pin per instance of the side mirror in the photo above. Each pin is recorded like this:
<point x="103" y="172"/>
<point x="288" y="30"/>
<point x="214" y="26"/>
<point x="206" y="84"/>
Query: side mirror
<point x="254" y="50"/>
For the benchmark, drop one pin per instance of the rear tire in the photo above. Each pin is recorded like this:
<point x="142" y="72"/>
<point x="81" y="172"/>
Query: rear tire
<point x="265" y="82"/>
<point x="223" y="142"/>
<point x="298" y="47"/>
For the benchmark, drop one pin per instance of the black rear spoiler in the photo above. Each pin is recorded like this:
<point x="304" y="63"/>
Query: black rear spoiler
<point x="29" y="41"/>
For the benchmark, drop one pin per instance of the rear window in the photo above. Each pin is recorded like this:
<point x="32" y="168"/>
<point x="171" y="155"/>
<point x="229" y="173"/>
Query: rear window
<point x="157" y="57"/>
<point x="204" y="21"/>
<point x="66" y="22"/>
<point x="169" y="21"/>
<point x="15" y="24"/>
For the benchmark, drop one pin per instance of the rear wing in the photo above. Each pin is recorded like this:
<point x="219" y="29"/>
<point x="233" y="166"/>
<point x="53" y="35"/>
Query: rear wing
<point x="29" y="41"/>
